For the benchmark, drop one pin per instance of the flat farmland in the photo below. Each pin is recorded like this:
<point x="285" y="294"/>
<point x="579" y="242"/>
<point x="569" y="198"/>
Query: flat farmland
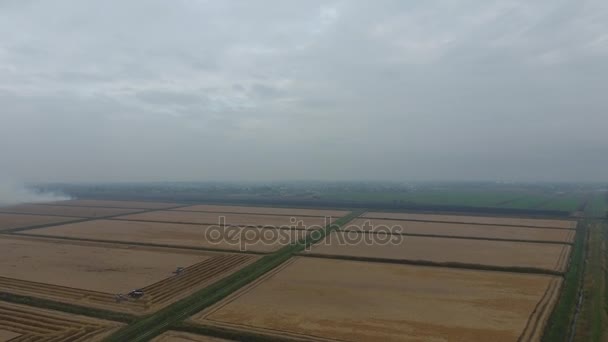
<point x="116" y="204"/>
<point x="35" y="324"/>
<point x="252" y="220"/>
<point x="61" y="210"/>
<point x="6" y="335"/>
<point x="265" y="210"/>
<point x="508" y="221"/>
<point x="185" y="235"/>
<point x="462" y="230"/>
<point x="552" y="257"/>
<point x="10" y="221"/>
<point x="91" y="274"/>
<point x="320" y="300"/>
<point x="178" y="336"/>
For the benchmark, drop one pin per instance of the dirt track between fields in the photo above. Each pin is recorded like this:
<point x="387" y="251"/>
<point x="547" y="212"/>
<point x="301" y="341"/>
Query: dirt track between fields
<point x="84" y="212"/>
<point x="10" y="221"/>
<point x="174" y="216"/>
<point x="462" y="230"/>
<point x="116" y="204"/>
<point x="265" y="210"/>
<point x="512" y="221"/>
<point x="262" y="240"/>
<point x="551" y="257"/>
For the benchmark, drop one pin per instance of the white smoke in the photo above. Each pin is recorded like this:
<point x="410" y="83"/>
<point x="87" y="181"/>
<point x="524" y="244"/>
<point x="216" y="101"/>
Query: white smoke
<point x="15" y="193"/>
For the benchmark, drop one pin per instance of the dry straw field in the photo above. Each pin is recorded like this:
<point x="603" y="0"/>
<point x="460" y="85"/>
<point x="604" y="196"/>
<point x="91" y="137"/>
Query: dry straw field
<point x="436" y="278"/>
<point x="552" y="257"/>
<point x="463" y="230"/>
<point x="513" y="221"/>
<point x="323" y="300"/>
<point x="11" y="221"/>
<point x="21" y="323"/>
<point x="92" y="274"/>
<point x="250" y="220"/>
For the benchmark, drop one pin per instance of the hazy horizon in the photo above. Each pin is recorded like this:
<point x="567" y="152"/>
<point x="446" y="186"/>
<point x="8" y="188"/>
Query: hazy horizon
<point x="286" y="90"/>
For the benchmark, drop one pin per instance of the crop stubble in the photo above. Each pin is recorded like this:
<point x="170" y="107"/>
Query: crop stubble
<point x="92" y="274"/>
<point x="511" y="221"/>
<point x="551" y="257"/>
<point x="262" y="240"/>
<point x="10" y="221"/>
<point x="322" y="299"/>
<point x="230" y="219"/>
<point x="25" y="323"/>
<point x="60" y="210"/>
<point x="265" y="210"/>
<point x="463" y="230"/>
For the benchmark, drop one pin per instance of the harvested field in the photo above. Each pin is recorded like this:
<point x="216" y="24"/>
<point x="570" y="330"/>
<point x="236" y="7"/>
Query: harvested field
<point x="116" y="204"/>
<point x="508" y="221"/>
<point x="10" y="221"/>
<point x="25" y="323"/>
<point x="178" y="336"/>
<point x="250" y="220"/>
<point x="92" y="274"/>
<point x="174" y="234"/>
<point x="362" y="301"/>
<point x="552" y="257"/>
<point x="265" y="210"/>
<point x="59" y="210"/>
<point x="6" y="335"/>
<point x="462" y="230"/>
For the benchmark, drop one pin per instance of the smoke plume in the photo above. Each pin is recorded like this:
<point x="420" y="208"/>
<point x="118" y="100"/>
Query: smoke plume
<point x="15" y="193"/>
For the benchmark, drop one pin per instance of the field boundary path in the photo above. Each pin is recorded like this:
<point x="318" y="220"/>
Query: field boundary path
<point x="77" y="219"/>
<point x="149" y="327"/>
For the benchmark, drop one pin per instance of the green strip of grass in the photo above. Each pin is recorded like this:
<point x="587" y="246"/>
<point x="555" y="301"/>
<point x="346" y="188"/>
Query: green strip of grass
<point x="148" y="327"/>
<point x="559" y="323"/>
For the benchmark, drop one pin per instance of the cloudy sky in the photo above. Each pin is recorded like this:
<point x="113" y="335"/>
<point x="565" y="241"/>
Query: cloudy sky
<point x="308" y="90"/>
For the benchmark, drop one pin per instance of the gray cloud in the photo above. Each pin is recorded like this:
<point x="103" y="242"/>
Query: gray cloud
<point x="238" y="90"/>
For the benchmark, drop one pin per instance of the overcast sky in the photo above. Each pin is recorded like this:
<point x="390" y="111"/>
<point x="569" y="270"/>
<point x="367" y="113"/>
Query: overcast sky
<point x="306" y="90"/>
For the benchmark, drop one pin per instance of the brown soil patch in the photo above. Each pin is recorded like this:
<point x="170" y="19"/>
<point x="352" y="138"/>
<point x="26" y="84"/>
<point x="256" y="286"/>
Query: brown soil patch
<point x="511" y="221"/>
<point x="10" y="221"/>
<point x="441" y="250"/>
<point x="322" y="300"/>
<point x="188" y="235"/>
<point x="92" y="274"/>
<point x="35" y="324"/>
<point x="265" y="210"/>
<point x="462" y="230"/>
<point x="65" y="210"/>
<point x="178" y="336"/>
<point x="117" y="204"/>
<point x="230" y="219"/>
